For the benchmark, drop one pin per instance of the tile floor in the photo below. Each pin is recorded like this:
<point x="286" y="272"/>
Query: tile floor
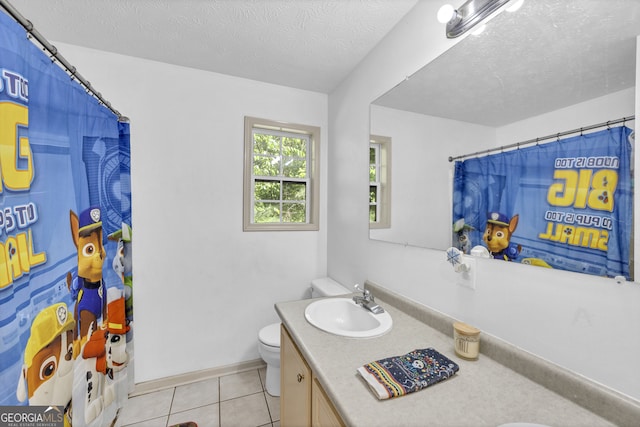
<point x="237" y="400"/>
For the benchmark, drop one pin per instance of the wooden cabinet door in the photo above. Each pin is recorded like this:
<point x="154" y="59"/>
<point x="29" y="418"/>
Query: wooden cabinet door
<point x="323" y="414"/>
<point x="295" y="384"/>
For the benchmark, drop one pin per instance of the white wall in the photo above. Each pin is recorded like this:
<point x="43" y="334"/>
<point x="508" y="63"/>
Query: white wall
<point x="420" y="148"/>
<point x="582" y="322"/>
<point x="599" y="110"/>
<point x="203" y="288"/>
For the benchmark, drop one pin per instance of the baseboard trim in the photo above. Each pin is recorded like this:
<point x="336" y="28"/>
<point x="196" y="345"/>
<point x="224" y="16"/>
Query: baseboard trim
<point x="191" y="377"/>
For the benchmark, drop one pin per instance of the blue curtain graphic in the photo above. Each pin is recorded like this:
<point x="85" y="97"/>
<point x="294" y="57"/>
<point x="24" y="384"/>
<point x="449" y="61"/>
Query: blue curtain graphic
<point x="66" y="301"/>
<point x="566" y="204"/>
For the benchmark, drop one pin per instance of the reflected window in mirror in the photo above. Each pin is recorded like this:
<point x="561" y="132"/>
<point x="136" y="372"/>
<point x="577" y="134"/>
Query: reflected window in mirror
<point x="379" y="181"/>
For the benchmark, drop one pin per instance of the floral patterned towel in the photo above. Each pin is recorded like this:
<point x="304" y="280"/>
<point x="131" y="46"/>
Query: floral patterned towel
<point x="399" y="375"/>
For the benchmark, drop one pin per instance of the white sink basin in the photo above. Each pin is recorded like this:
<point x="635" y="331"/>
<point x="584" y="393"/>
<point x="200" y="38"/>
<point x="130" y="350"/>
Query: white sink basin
<point x="342" y="316"/>
<point x="522" y="425"/>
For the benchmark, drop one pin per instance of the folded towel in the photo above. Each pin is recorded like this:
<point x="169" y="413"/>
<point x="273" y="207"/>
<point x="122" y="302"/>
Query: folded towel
<point x="399" y="375"/>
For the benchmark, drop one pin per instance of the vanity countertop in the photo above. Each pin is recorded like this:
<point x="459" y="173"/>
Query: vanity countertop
<point x="483" y="393"/>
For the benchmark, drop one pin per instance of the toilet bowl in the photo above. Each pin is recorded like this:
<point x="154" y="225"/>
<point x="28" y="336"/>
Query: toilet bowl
<point x="269" y="349"/>
<point x="269" y="336"/>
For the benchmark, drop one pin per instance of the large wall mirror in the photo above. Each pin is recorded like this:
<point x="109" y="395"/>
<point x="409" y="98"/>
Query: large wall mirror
<point x="552" y="66"/>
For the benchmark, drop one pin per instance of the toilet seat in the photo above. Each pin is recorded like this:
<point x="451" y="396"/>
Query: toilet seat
<point x="270" y="335"/>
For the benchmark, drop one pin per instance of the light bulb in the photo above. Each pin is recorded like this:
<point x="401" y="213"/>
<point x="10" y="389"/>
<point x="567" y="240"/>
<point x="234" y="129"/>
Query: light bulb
<point x="446" y="13"/>
<point x="515" y="6"/>
<point x="479" y="30"/>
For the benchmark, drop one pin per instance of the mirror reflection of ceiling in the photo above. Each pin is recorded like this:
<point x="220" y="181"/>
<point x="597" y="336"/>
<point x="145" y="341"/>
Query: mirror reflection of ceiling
<point x="548" y="55"/>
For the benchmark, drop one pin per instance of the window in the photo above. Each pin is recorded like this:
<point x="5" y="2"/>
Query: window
<point x="379" y="182"/>
<point x="281" y="182"/>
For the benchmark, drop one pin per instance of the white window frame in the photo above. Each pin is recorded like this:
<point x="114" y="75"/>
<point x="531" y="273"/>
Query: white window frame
<point x="312" y="133"/>
<point x="382" y="146"/>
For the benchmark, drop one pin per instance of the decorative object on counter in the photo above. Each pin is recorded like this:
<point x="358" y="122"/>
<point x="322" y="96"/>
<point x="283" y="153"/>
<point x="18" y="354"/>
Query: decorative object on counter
<point x="455" y="257"/>
<point x="466" y="340"/>
<point x="620" y="279"/>
<point x="480" y="251"/>
<point x="399" y="375"/>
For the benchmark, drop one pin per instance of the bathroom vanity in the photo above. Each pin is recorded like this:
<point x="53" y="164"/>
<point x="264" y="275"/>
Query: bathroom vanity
<point x="303" y="400"/>
<point x="505" y="384"/>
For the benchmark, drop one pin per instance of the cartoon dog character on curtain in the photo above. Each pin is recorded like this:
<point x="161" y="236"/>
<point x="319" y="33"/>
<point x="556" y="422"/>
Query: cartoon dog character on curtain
<point x="122" y="264"/>
<point x="105" y="354"/>
<point x="462" y="235"/>
<point x="86" y="231"/>
<point x="497" y="236"/>
<point x="47" y="373"/>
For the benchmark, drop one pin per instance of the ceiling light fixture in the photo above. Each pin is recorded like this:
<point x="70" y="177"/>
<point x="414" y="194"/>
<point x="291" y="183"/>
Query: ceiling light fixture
<point x="471" y="13"/>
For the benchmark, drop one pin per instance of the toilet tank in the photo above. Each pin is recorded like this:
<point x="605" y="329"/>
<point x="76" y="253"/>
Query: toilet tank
<point x="327" y="287"/>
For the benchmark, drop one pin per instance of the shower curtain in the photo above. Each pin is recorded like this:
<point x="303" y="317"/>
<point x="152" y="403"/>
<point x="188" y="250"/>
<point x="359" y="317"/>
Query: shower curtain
<point x="66" y="303"/>
<point x="566" y="204"/>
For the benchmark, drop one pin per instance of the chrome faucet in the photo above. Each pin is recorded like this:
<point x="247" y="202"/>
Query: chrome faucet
<point x="367" y="301"/>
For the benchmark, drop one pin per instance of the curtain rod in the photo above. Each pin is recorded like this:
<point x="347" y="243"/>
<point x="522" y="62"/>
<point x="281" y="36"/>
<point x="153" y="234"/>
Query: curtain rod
<point x="56" y="56"/>
<point x="536" y="140"/>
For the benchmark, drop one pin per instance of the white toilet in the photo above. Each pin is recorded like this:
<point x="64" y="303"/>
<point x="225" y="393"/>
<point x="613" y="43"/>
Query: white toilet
<point x="269" y="336"/>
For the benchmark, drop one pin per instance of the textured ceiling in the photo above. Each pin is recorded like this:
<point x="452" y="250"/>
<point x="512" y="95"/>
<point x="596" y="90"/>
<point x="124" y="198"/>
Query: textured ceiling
<point x="306" y="44"/>
<point x="548" y="55"/>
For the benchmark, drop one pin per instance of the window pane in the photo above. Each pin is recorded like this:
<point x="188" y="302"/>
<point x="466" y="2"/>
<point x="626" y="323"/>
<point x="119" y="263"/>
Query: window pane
<point x="293" y="212"/>
<point x="266" y="144"/>
<point x="266" y="166"/>
<point x="267" y="190"/>
<point x="372" y="173"/>
<point x="372" y="156"/>
<point x="294" y="147"/>
<point x="266" y="212"/>
<point x="295" y="168"/>
<point x="281" y="164"/>
<point x="373" y="194"/>
<point x="294" y="191"/>
<point x="372" y="214"/>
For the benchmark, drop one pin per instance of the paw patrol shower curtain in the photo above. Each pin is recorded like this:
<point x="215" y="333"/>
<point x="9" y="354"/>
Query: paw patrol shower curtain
<point x="566" y="204"/>
<point x="65" y="243"/>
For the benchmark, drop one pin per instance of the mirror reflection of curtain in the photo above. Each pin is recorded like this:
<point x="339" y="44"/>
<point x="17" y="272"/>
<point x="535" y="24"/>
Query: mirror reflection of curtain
<point x="566" y="204"/>
<point x="65" y="241"/>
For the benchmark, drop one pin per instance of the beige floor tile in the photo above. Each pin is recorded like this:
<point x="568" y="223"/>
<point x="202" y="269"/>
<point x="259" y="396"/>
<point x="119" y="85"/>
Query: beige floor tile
<point x="155" y="422"/>
<point x="247" y="411"/>
<point x="235" y="400"/>
<point x="194" y="395"/>
<point x="204" y="416"/>
<point x="146" y="407"/>
<point x="274" y="406"/>
<point x="241" y="384"/>
<point x="263" y="376"/>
